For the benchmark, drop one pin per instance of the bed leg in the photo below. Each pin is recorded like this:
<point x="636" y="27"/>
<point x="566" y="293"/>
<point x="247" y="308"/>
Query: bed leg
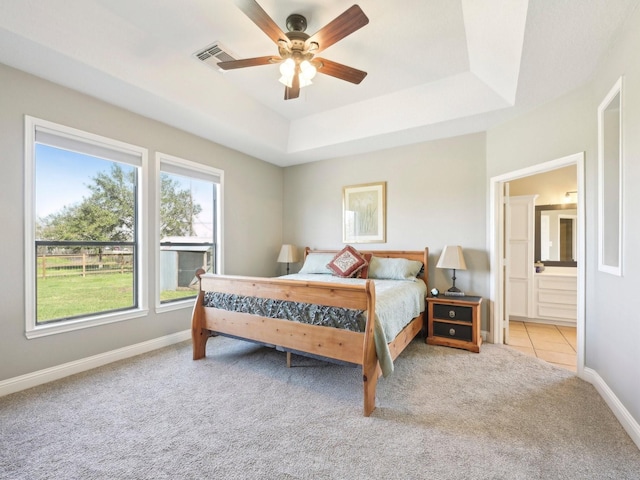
<point x="370" y="381"/>
<point x="369" y="357"/>
<point x="199" y="335"/>
<point x="288" y="359"/>
<point x="199" y="339"/>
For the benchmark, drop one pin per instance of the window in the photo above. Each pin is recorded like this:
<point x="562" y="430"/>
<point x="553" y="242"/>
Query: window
<point x="84" y="232"/>
<point x="188" y="228"/>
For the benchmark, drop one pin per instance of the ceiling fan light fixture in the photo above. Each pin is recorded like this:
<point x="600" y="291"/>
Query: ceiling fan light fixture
<point x="288" y="67"/>
<point x="307" y="70"/>
<point x="287" y="81"/>
<point x="304" y="82"/>
<point x="287" y="70"/>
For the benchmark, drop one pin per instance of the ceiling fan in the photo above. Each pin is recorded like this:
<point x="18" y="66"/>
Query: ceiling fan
<point x="297" y="49"/>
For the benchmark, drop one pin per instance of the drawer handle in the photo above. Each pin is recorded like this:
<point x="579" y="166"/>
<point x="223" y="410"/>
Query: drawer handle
<point x="452" y="331"/>
<point x="452" y="314"/>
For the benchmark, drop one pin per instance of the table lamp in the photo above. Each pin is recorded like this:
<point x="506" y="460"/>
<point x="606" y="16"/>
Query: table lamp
<point x="451" y="257"/>
<point x="288" y="254"/>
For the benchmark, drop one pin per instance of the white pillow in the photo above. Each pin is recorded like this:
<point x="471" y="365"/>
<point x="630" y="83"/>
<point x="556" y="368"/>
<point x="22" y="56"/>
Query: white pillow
<point x="394" y="268"/>
<point x="317" y="263"/>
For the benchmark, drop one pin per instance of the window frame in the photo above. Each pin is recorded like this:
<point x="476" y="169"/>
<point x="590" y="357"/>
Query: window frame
<point x="32" y="330"/>
<point x="200" y="170"/>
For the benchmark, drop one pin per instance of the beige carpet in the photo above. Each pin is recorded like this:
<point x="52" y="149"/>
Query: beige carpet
<point x="241" y="414"/>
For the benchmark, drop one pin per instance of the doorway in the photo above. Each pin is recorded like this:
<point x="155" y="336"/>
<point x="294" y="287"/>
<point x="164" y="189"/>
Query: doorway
<point x="499" y="269"/>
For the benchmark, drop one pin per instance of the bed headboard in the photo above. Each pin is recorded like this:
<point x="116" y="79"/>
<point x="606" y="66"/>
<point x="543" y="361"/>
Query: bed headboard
<point x="419" y="255"/>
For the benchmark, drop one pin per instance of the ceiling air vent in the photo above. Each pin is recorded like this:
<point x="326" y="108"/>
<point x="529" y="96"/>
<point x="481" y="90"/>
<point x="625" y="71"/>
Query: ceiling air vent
<point x="213" y="54"/>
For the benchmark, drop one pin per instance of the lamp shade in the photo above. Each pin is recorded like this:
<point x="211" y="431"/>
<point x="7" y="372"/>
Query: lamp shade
<point x="451" y="257"/>
<point x="288" y="254"/>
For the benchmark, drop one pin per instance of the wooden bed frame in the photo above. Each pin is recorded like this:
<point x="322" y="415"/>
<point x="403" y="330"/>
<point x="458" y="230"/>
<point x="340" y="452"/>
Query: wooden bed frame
<point x="333" y="343"/>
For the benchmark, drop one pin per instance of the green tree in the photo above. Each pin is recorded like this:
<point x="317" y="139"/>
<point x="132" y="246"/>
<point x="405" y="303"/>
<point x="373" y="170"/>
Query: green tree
<point x="107" y="214"/>
<point x="177" y="209"/>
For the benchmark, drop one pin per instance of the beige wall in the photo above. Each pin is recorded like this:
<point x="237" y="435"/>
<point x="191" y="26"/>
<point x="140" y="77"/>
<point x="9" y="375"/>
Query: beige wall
<point x="252" y="202"/>
<point x="434" y="198"/>
<point x="560" y="128"/>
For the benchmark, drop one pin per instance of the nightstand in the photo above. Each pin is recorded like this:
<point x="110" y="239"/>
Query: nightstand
<point x="454" y="322"/>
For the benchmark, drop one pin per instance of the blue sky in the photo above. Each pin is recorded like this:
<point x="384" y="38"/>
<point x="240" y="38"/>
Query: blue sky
<point x="62" y="177"/>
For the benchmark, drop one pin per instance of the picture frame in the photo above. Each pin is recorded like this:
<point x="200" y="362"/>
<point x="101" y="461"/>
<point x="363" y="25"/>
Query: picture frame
<point x="364" y="213"/>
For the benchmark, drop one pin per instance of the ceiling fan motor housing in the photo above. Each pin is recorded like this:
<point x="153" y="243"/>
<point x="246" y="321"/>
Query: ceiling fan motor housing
<point x="296" y="23"/>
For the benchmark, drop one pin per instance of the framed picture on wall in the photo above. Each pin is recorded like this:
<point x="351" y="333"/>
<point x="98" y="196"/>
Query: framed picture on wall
<point x="364" y="213"/>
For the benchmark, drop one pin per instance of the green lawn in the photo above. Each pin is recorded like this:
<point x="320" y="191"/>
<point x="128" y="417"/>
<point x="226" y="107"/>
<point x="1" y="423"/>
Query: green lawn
<point x="70" y="296"/>
<point x="176" y="294"/>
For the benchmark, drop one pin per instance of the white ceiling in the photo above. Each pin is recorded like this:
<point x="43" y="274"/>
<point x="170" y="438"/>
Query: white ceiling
<point x="436" y="68"/>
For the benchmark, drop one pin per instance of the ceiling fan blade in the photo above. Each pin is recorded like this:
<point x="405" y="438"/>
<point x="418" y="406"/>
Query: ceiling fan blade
<point x="258" y="16"/>
<point x="338" y="70"/>
<point x="249" y="62"/>
<point x="290" y="93"/>
<point x="294" y="91"/>
<point x="345" y="24"/>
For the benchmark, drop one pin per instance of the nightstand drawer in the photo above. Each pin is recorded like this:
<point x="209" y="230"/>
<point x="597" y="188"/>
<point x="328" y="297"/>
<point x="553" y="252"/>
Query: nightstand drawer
<point x="453" y="312"/>
<point x="452" y="330"/>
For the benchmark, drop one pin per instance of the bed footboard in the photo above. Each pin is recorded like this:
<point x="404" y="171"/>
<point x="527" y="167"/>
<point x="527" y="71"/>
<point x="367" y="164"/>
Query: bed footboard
<point x="345" y="345"/>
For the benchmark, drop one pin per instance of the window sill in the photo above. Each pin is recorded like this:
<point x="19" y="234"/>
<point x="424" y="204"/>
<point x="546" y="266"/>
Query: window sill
<point x="79" y="324"/>
<point x="178" y="305"/>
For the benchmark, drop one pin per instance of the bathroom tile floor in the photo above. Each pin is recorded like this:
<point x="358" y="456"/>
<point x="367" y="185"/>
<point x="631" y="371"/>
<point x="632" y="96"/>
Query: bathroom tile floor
<point x="555" y="344"/>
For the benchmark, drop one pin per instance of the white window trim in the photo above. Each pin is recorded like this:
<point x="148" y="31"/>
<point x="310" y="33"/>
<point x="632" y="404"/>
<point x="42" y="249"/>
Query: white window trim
<point x="31" y="329"/>
<point x="196" y="167"/>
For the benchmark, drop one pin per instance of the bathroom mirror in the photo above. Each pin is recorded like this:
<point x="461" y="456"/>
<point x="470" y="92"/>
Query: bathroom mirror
<point x="556" y="231"/>
<point x="610" y="181"/>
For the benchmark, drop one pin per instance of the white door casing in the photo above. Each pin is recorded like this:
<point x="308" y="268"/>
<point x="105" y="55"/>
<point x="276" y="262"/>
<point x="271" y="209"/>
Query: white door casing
<point x="506" y="264"/>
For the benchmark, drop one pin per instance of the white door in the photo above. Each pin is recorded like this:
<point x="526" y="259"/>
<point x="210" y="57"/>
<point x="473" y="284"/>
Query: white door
<point x="520" y="242"/>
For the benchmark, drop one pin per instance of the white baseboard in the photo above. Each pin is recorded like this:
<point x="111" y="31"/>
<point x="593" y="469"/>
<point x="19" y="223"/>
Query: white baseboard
<point x="33" y="379"/>
<point x="627" y="421"/>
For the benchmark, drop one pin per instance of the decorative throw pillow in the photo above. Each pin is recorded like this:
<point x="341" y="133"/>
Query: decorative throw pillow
<point x="347" y="262"/>
<point x="364" y="271"/>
